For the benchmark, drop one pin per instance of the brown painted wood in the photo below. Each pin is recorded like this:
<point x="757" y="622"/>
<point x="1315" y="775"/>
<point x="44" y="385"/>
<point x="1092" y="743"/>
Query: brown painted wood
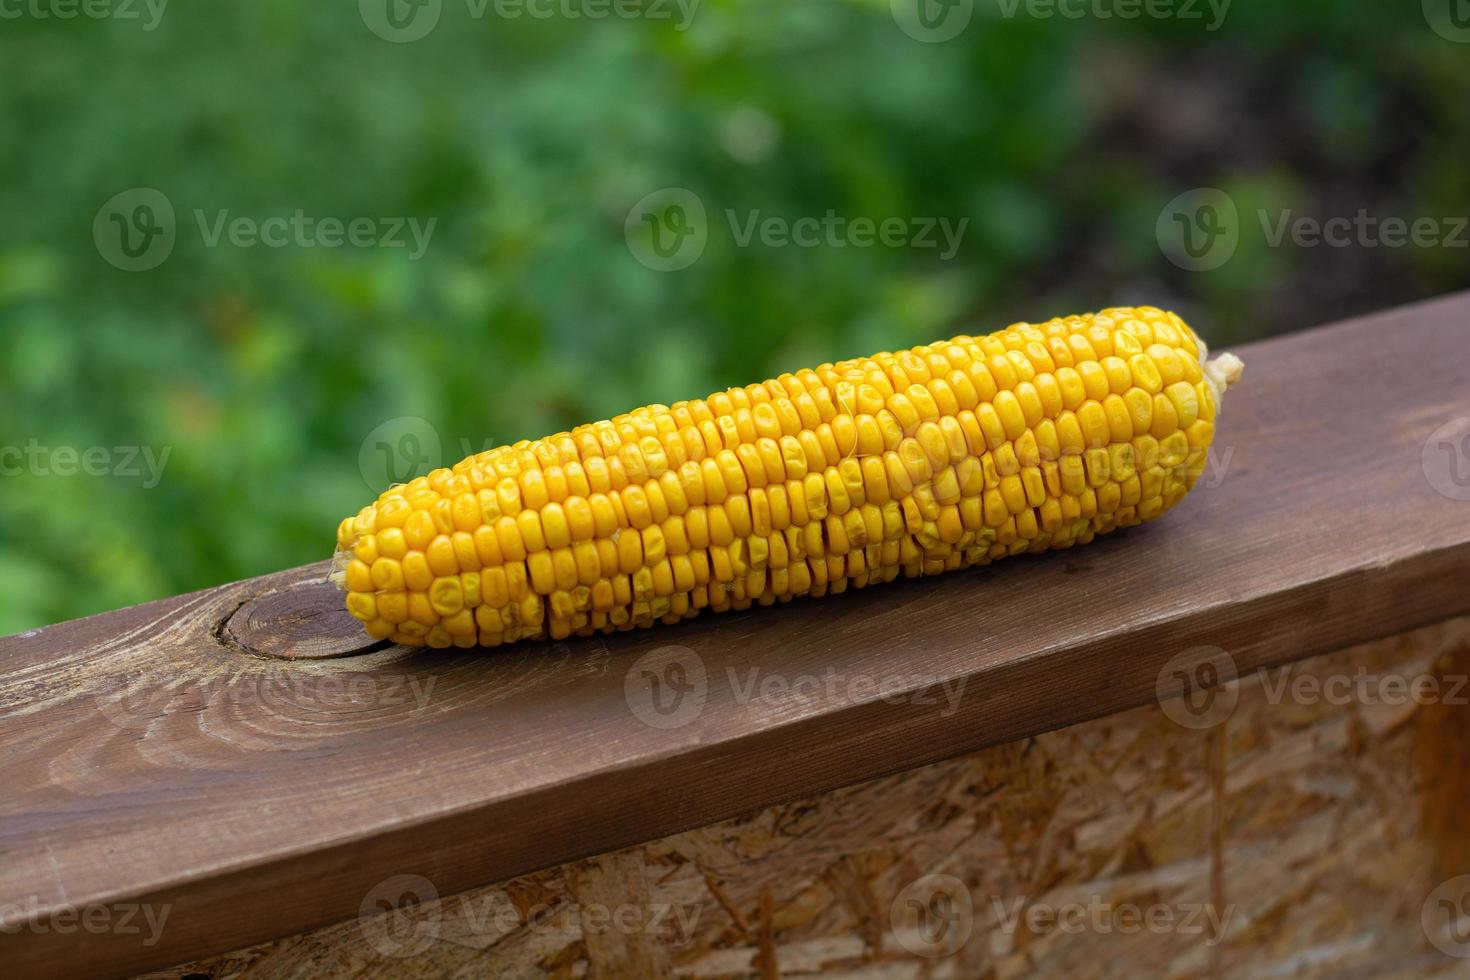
<point x="150" y="755"/>
<point x="303" y="621"/>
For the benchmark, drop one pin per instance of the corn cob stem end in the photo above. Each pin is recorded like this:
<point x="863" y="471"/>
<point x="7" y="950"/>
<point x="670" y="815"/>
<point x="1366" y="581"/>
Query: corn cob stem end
<point x="338" y="575"/>
<point x="1221" y="372"/>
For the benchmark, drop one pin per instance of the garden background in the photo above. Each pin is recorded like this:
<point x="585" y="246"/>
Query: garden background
<point x="272" y="376"/>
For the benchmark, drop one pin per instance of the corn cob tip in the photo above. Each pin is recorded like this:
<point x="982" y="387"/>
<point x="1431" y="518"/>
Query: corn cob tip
<point x="1221" y="372"/>
<point x="1225" y="370"/>
<point x="338" y="575"/>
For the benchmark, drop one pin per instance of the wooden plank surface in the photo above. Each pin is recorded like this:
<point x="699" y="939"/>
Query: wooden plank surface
<point x="167" y="757"/>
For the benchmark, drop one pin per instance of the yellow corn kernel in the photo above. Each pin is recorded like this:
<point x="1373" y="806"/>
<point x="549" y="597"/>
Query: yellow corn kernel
<point x="363" y="606"/>
<point x="440" y="558"/>
<point x="1185" y="401"/>
<point x="446" y="595"/>
<point x="416" y="572"/>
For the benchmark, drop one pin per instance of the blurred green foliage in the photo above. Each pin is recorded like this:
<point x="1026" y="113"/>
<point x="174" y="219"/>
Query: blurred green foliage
<point x="261" y="370"/>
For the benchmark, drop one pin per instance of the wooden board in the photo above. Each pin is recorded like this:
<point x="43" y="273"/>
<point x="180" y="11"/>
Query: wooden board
<point x="1305" y="834"/>
<point x="162" y="754"/>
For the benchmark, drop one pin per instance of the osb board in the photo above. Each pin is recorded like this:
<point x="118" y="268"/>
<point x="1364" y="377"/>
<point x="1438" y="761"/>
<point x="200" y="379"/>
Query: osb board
<point x="1321" y="823"/>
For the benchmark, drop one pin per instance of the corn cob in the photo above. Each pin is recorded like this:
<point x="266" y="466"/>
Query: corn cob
<point x="938" y="458"/>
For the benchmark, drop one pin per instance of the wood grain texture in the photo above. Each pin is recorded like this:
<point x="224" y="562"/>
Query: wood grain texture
<point x="1298" y="837"/>
<point x="150" y="757"/>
